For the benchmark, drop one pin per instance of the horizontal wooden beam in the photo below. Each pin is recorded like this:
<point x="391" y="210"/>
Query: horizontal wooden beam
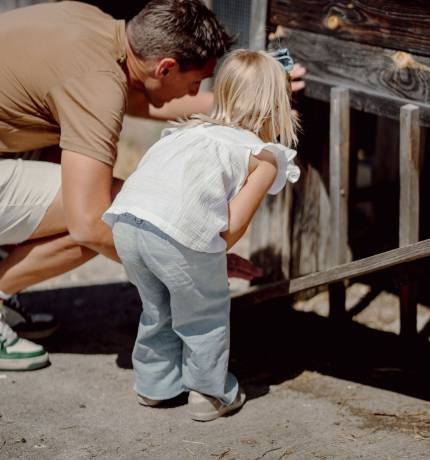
<point x="382" y="72"/>
<point x="388" y="23"/>
<point x="364" y="99"/>
<point x="354" y="269"/>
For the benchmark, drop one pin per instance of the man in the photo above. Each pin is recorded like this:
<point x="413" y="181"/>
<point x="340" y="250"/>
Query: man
<point x="69" y="73"/>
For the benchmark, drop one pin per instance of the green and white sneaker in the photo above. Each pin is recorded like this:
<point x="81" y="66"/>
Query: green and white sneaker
<point x="18" y="354"/>
<point x="32" y="326"/>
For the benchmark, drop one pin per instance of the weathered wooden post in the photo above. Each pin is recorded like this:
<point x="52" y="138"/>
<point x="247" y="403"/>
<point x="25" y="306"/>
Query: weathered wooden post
<point x="271" y="227"/>
<point x="409" y="208"/>
<point x="339" y="189"/>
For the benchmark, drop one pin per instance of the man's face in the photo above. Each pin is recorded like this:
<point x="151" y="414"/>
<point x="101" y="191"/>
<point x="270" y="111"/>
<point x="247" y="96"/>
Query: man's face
<point x="169" y="82"/>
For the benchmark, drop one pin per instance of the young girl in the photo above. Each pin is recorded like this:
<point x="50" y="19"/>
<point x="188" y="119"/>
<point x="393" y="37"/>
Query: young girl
<point x="190" y="199"/>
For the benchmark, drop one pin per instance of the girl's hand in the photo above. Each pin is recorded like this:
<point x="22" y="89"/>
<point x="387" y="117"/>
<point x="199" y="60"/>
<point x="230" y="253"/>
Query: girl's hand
<point x="296" y="74"/>
<point x="238" y="267"/>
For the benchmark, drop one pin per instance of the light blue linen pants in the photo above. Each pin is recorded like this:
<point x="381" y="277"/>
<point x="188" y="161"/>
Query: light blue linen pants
<point x="183" y="340"/>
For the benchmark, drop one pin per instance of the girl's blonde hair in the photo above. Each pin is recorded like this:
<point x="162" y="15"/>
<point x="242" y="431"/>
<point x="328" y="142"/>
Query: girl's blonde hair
<point x="253" y="91"/>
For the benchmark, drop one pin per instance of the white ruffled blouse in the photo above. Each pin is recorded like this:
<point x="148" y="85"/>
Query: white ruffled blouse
<point x="185" y="181"/>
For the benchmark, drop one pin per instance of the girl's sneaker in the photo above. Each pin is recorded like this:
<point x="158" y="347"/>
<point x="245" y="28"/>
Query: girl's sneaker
<point x="205" y="408"/>
<point x="18" y="354"/>
<point x="27" y="325"/>
<point x="144" y="401"/>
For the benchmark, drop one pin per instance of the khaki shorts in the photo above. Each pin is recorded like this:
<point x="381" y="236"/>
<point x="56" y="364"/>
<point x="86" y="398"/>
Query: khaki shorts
<point x="27" y="189"/>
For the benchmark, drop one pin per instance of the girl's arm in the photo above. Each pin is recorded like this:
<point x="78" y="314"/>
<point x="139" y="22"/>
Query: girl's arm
<point x="262" y="173"/>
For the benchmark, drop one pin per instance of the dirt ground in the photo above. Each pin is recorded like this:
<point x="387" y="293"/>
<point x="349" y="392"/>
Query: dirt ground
<point x="315" y="389"/>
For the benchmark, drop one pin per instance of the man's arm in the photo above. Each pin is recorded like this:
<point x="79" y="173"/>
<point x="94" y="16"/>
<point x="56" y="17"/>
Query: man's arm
<point x="183" y="107"/>
<point x="87" y="193"/>
<point x="186" y="106"/>
<point x="243" y="206"/>
<point x="138" y="106"/>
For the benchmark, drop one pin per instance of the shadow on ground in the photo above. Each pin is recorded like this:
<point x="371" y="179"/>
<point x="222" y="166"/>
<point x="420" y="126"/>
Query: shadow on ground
<point x="271" y="343"/>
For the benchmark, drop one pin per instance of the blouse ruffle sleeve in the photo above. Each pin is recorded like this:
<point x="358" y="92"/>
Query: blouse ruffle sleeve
<point x="288" y="171"/>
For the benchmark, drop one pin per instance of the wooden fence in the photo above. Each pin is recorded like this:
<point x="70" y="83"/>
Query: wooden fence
<point x="373" y="57"/>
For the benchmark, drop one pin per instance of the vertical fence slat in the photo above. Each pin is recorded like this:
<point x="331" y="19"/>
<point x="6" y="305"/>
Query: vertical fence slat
<point x="409" y="207"/>
<point x="339" y="189"/>
<point x="339" y="172"/>
<point x="409" y="174"/>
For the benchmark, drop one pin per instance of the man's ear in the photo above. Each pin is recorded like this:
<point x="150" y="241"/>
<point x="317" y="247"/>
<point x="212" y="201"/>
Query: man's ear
<point x="165" y="66"/>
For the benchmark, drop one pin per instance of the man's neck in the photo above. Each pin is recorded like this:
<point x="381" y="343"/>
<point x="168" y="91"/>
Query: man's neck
<point x="135" y="67"/>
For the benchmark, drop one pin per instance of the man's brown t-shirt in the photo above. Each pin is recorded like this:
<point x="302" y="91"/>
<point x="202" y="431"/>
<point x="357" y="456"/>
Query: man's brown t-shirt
<point x="61" y="79"/>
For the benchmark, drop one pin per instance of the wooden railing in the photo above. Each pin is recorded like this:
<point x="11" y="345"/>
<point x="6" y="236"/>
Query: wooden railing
<point x="409" y="249"/>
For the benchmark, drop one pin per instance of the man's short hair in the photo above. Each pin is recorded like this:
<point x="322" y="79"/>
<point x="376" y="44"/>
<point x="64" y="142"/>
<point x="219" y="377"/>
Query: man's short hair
<point x="185" y="30"/>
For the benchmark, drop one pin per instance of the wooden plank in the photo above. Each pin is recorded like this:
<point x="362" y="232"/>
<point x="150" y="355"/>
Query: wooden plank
<point x="310" y="243"/>
<point x="409" y="175"/>
<point x="409" y="208"/>
<point x="339" y="188"/>
<point x="286" y="231"/>
<point x="311" y="230"/>
<point x="377" y="70"/>
<point x="388" y="23"/>
<point x="268" y="235"/>
<point x="350" y="270"/>
<point x="339" y="173"/>
<point x="364" y="99"/>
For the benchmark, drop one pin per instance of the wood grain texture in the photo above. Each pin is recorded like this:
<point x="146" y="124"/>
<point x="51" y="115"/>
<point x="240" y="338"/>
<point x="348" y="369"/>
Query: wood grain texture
<point x="364" y="99"/>
<point x="311" y="211"/>
<point x="270" y="236"/>
<point x="409" y="175"/>
<point x="409" y="207"/>
<point x="368" y="68"/>
<point x="395" y="24"/>
<point x="339" y="192"/>
<point x="350" y="270"/>
<point x="339" y="173"/>
<point x="311" y="224"/>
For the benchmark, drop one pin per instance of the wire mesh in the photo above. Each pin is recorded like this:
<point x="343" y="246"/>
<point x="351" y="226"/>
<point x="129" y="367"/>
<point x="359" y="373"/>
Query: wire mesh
<point x="236" y="17"/>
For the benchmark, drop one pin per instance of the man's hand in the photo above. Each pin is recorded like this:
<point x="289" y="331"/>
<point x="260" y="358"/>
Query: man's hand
<point x="296" y="74"/>
<point x="238" y="267"/>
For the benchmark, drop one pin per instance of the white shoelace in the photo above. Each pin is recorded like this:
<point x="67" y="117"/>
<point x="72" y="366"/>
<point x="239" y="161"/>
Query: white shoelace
<point x="6" y="333"/>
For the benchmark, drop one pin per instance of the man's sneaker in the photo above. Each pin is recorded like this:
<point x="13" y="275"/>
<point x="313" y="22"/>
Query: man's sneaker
<point x="205" y="408"/>
<point x="18" y="354"/>
<point x="144" y="401"/>
<point x="28" y="325"/>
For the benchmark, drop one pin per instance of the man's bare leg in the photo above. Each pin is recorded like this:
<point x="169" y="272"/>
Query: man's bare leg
<point x="37" y="260"/>
<point x="49" y="252"/>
